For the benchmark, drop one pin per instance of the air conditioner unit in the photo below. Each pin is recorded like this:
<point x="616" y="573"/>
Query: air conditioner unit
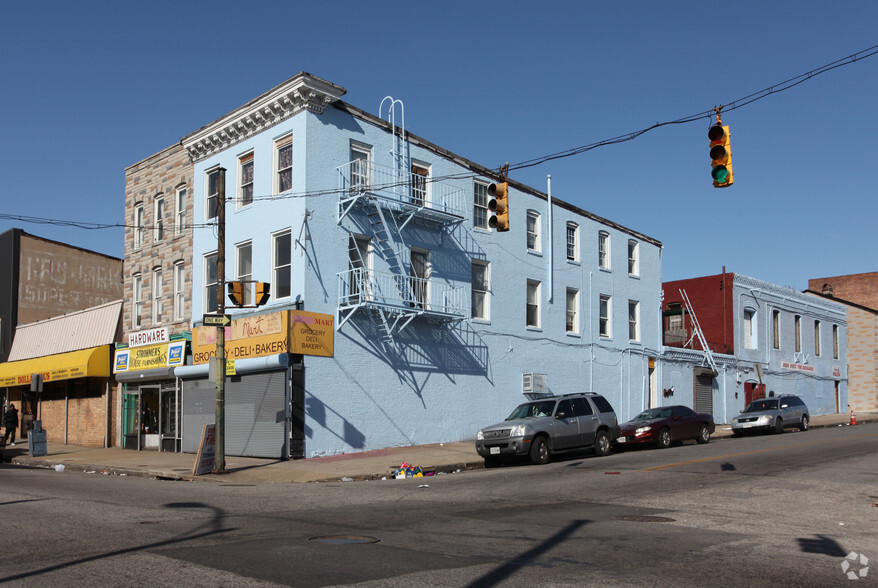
<point x="534" y="385"/>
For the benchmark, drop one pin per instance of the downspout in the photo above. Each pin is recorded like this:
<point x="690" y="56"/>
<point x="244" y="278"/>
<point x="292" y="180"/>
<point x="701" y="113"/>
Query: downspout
<point x="549" y="278"/>
<point x="108" y="422"/>
<point x="66" y="409"/>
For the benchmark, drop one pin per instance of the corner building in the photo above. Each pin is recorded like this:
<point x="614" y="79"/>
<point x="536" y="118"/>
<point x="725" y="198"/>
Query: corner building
<point x="438" y="323"/>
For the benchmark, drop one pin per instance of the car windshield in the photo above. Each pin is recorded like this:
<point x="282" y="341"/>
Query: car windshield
<point x="648" y="415"/>
<point x="760" y="405"/>
<point x="532" y="410"/>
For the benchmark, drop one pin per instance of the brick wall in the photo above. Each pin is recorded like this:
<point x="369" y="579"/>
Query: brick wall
<point x="862" y="353"/>
<point x="860" y="289"/>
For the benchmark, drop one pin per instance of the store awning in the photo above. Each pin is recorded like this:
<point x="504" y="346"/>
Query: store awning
<point x="85" y="363"/>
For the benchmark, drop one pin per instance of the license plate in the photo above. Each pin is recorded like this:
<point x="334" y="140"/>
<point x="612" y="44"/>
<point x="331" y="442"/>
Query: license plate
<point x="495" y="450"/>
<point x="747" y="425"/>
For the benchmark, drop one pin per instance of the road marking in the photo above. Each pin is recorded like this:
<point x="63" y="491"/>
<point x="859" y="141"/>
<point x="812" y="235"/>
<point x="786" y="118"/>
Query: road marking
<point x="677" y="464"/>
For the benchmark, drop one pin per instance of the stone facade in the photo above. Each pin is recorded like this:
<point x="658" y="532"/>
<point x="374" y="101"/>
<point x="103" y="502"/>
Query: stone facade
<point x="167" y="175"/>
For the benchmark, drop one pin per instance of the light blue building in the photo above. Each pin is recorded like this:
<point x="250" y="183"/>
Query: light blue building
<point x="442" y="324"/>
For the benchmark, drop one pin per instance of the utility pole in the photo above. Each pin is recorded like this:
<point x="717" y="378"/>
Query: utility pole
<point x="219" y="466"/>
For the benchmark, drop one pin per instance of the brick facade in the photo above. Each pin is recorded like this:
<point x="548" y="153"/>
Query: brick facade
<point x="860" y="289"/>
<point x="863" y="358"/>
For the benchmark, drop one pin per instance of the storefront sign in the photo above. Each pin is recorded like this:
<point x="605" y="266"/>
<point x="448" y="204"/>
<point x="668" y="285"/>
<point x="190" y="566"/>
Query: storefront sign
<point x="149" y="357"/>
<point x="206" y="456"/>
<point x="149" y="337"/>
<point x="797" y="366"/>
<point x="312" y="333"/>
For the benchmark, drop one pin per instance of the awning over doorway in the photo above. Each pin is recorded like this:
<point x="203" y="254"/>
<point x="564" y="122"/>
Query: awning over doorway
<point x="85" y="363"/>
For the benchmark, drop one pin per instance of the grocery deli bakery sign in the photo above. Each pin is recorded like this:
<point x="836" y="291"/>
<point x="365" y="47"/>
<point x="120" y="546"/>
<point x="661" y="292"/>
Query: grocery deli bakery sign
<point x="292" y="331"/>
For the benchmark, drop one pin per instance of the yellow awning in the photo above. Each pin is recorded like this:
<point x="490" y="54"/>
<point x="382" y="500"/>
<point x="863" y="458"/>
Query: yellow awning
<point x="86" y="363"/>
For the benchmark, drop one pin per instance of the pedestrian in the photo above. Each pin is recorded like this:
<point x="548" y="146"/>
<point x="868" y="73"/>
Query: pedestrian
<point x="10" y="421"/>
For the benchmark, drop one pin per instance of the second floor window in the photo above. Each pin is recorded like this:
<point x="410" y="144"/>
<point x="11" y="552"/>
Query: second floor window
<point x="633" y="320"/>
<point x="281" y="264"/>
<point x="775" y="328"/>
<point x="604" y="250"/>
<point x="532" y="317"/>
<point x="244" y="268"/>
<point x="159" y="218"/>
<point x="157" y="306"/>
<point x="572" y="322"/>
<point x="834" y="341"/>
<point x="245" y="180"/>
<point x="480" y="205"/>
<point x="797" y="323"/>
<point x="605" y="320"/>
<point x="750" y="329"/>
<point x="179" y="291"/>
<point x="480" y="287"/>
<point x="211" y="276"/>
<point x="816" y="337"/>
<point x="137" y="295"/>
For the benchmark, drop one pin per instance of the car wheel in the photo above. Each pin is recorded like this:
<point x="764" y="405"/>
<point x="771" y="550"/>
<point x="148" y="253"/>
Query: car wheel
<point x="778" y="426"/>
<point x="664" y="440"/>
<point x="539" y="451"/>
<point x="803" y="426"/>
<point x="602" y="444"/>
<point x="703" y="434"/>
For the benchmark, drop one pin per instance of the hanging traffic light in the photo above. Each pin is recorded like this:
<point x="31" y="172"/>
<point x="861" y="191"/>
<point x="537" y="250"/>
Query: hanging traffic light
<point x="720" y="155"/>
<point x="236" y="293"/>
<point x="499" y="206"/>
<point x="262" y="293"/>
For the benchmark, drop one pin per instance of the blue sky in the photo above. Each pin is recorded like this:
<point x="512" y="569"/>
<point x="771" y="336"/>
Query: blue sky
<point x="90" y="88"/>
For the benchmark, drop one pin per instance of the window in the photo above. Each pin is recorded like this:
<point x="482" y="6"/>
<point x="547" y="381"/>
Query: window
<point x="180" y="210"/>
<point x="281" y="264"/>
<point x="245" y="180"/>
<point x="533" y="231"/>
<point x="138" y="225"/>
<point x="633" y="258"/>
<point x="749" y="328"/>
<point x="480" y="287"/>
<point x="480" y="205"/>
<point x="420" y="173"/>
<point x="244" y="269"/>
<point x="211" y="276"/>
<point x="179" y="291"/>
<point x="604" y="250"/>
<point x="137" y="316"/>
<point x="419" y="276"/>
<point x="533" y="304"/>
<point x="283" y="164"/>
<point x="605" y="311"/>
<point x="834" y="341"/>
<point x="572" y="322"/>
<point x="358" y="264"/>
<point x="798" y="326"/>
<point x="572" y="242"/>
<point x="816" y="337"/>
<point x="775" y="328"/>
<point x="213" y="198"/>
<point x="159" y="229"/>
<point x="633" y="320"/>
<point x="360" y="168"/>
<point x="157" y="296"/>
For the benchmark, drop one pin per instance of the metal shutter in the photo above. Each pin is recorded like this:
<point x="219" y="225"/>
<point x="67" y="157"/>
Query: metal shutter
<point x="704" y="392"/>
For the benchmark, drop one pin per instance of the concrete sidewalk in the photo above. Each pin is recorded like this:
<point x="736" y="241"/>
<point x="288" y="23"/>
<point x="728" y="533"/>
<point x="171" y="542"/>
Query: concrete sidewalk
<point x="436" y="459"/>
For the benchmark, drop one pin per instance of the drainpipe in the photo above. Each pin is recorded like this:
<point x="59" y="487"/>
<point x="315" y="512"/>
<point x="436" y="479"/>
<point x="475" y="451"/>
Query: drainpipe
<point x="549" y="278"/>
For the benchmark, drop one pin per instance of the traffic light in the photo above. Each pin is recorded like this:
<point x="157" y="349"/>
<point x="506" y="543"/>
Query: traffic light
<point x="236" y="293"/>
<point x="499" y="206"/>
<point x="262" y="293"/>
<point x="720" y="156"/>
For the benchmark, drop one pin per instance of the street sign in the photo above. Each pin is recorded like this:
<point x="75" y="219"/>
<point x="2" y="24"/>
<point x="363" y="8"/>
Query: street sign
<point x="216" y="320"/>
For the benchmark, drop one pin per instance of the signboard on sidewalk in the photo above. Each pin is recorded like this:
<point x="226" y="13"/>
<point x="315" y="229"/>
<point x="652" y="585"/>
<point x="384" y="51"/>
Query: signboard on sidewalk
<point x="206" y="456"/>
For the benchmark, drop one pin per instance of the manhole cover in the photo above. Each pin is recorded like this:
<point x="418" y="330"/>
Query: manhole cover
<point x="344" y="539"/>
<point x="645" y="519"/>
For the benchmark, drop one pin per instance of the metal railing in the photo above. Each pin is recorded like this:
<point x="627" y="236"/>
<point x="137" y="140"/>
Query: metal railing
<point x="362" y="287"/>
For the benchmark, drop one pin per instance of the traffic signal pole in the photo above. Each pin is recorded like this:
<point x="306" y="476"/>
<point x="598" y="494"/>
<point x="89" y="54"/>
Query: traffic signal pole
<point x="219" y="466"/>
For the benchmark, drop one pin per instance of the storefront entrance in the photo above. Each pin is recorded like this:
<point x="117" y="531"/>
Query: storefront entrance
<point x="151" y="417"/>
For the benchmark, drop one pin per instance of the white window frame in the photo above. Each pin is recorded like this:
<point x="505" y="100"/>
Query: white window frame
<point x="532" y="306"/>
<point x="775" y="327"/>
<point x="211" y="200"/>
<point x="533" y="232"/>
<point x="571" y="323"/>
<point x="750" y="332"/>
<point x="279" y="172"/>
<point x="479" y="294"/>
<point x="209" y="298"/>
<point x="633" y="320"/>
<point x="180" y="210"/>
<point x="244" y="199"/>
<point x="797" y="329"/>
<point x="481" y="214"/>
<point x="421" y="184"/>
<point x="605" y="316"/>
<point x="633" y="258"/>
<point x="817" y="338"/>
<point x="138" y="225"/>
<point x="604" y="250"/>
<point x="137" y="297"/>
<point x="281" y="265"/>
<point x="835" y="342"/>
<point x="572" y="242"/>
<point x="244" y="268"/>
<point x="361" y="173"/>
<point x="179" y="290"/>
<point x="159" y="216"/>
<point x="157" y="301"/>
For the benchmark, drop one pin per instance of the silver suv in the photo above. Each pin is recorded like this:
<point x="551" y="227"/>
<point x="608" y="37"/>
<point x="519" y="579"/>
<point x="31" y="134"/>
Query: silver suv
<point x="774" y="413"/>
<point x="550" y="425"/>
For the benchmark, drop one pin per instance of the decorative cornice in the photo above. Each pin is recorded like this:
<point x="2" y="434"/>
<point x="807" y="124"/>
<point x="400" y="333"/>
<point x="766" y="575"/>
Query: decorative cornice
<point x="302" y="92"/>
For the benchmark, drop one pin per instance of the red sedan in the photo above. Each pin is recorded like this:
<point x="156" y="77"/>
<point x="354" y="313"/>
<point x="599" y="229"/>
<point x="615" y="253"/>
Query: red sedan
<point x="663" y="425"/>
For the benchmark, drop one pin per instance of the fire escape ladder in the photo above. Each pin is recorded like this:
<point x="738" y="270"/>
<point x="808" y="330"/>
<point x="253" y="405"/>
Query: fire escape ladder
<point x="696" y="326"/>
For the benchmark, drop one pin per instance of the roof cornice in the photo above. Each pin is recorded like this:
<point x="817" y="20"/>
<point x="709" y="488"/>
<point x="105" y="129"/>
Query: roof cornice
<point x="302" y="92"/>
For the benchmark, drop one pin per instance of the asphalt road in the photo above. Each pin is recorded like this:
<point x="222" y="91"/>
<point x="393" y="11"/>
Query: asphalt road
<point x="777" y="510"/>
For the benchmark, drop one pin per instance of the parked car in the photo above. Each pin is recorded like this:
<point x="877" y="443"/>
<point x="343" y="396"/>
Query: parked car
<point x="772" y="414"/>
<point x="663" y="425"/>
<point x="550" y="425"/>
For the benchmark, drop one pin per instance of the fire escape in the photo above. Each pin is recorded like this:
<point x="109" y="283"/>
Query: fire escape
<point x="391" y="198"/>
